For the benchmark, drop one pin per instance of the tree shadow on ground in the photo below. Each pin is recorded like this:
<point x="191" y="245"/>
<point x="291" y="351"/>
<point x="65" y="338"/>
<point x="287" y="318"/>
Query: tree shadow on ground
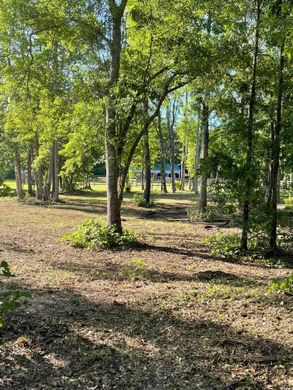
<point x="119" y="272"/>
<point x="64" y="340"/>
<point x="200" y="251"/>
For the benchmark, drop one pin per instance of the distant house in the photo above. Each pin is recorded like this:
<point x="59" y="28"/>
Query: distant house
<point x="156" y="171"/>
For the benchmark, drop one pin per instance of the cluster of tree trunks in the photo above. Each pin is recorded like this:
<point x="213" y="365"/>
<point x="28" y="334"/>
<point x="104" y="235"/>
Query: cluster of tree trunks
<point x="43" y="192"/>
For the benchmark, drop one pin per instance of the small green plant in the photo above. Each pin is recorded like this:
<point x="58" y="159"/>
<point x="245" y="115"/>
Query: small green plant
<point x="225" y="245"/>
<point x="212" y="213"/>
<point x="178" y="184"/>
<point x="6" y="191"/>
<point x="137" y="270"/>
<point x="10" y="299"/>
<point x="289" y="203"/>
<point x="139" y="200"/>
<point x="284" y="286"/>
<point x="93" y="235"/>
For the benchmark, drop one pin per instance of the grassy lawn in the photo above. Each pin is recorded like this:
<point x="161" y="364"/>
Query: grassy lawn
<point x="182" y="320"/>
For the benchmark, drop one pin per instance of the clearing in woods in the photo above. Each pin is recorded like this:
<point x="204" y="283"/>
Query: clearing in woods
<point x="165" y="316"/>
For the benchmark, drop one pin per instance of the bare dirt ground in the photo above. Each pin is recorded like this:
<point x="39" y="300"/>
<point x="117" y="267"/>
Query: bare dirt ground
<point x="187" y="321"/>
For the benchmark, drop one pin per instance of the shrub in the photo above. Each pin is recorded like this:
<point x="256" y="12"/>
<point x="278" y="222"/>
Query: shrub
<point x="289" y="203"/>
<point x="284" y="286"/>
<point x="211" y="214"/>
<point x="10" y="299"/>
<point x="178" y="184"/>
<point x="139" y="200"/>
<point x="93" y="235"/>
<point x="5" y="191"/>
<point x="225" y="245"/>
<point x="137" y="270"/>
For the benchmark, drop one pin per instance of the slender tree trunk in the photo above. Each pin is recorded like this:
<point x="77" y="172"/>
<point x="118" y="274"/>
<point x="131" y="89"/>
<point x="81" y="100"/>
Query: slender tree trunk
<point x="29" y="171"/>
<point x="249" y="139"/>
<point x="55" y="178"/>
<point x="111" y="130"/>
<point x="197" y="151"/>
<point x="39" y="184"/>
<point x="18" y="178"/>
<point x="171" y="113"/>
<point x="162" y="157"/>
<point x="269" y="188"/>
<point x="48" y="184"/>
<point x="147" y="164"/>
<point x="205" y="153"/>
<point x="185" y="146"/>
<point x="183" y="166"/>
<point x="275" y="178"/>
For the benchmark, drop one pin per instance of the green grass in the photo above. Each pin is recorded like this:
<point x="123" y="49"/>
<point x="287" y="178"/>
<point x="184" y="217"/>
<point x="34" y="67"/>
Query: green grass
<point x="99" y="192"/>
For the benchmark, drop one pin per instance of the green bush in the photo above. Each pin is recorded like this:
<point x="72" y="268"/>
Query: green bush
<point x="137" y="270"/>
<point x="213" y="213"/>
<point x="284" y="286"/>
<point x="227" y="245"/>
<point x="139" y="200"/>
<point x="178" y="184"/>
<point x="10" y="299"/>
<point x="93" y="235"/>
<point x="5" y="191"/>
<point x="289" y="203"/>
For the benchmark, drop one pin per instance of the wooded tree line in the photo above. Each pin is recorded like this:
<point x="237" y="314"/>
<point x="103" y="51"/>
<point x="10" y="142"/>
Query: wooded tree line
<point x="204" y="83"/>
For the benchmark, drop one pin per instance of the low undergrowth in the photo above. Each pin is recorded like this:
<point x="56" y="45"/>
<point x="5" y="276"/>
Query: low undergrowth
<point x="9" y="299"/>
<point x="228" y="245"/>
<point x="6" y="191"/>
<point x="289" y="203"/>
<point x="140" y="201"/>
<point x="137" y="270"/>
<point x="283" y="286"/>
<point x="93" y="235"/>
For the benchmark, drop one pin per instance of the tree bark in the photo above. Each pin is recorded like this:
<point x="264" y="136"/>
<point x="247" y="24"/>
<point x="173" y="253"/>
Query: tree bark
<point x="183" y="166"/>
<point x="39" y="184"/>
<point x="205" y="154"/>
<point x="18" y="178"/>
<point x="55" y="178"/>
<point x="171" y="114"/>
<point x="276" y="156"/>
<point x="48" y="184"/>
<point x="197" y="150"/>
<point x="162" y="156"/>
<point x="249" y="139"/>
<point x="147" y="165"/>
<point x="29" y="171"/>
<point x="111" y="130"/>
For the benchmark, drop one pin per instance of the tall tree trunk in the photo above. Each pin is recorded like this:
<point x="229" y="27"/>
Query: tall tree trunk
<point x="111" y="130"/>
<point x="197" y="150"/>
<point x="249" y="139"/>
<point x="29" y="171"/>
<point x="275" y="170"/>
<point x="48" y="184"/>
<point x="162" y="156"/>
<point x="171" y="114"/>
<point x="185" y="147"/>
<point x="205" y="154"/>
<point x="55" y="178"/>
<point x="183" y="166"/>
<point x="39" y="184"/>
<point x="18" y="178"/>
<point x="270" y="168"/>
<point x="147" y="164"/>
